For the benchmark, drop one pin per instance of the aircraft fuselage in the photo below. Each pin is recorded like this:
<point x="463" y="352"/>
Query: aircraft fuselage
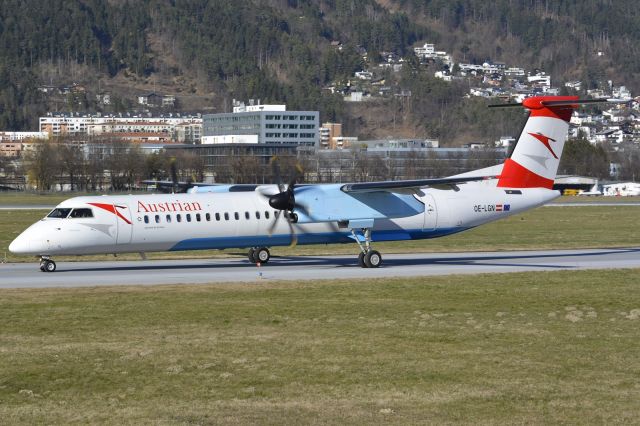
<point x="173" y="222"/>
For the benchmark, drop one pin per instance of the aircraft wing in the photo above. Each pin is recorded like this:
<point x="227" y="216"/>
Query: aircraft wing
<point x="411" y="186"/>
<point x="170" y="186"/>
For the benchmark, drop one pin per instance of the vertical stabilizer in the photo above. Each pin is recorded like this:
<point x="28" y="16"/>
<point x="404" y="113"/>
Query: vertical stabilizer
<point x="535" y="159"/>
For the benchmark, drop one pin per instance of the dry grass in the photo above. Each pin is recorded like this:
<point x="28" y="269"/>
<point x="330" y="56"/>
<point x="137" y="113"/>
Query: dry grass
<point x="598" y="199"/>
<point x="491" y="349"/>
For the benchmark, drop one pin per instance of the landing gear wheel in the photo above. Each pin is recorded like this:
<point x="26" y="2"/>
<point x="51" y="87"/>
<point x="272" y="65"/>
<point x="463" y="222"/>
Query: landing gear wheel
<point x="252" y="255"/>
<point x="372" y="259"/>
<point x="361" y="260"/>
<point x="48" y="266"/>
<point x="262" y="255"/>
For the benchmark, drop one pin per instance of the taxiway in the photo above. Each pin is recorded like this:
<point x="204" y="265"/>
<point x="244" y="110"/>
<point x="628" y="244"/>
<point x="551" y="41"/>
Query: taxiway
<point x="303" y="268"/>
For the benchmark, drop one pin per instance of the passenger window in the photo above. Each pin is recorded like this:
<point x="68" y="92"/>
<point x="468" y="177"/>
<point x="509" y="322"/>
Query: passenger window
<point x="81" y="213"/>
<point x="266" y="215"/>
<point x="157" y="219"/>
<point x="208" y="217"/>
<point x="257" y="215"/>
<point x="247" y="215"/>
<point x="146" y="219"/>
<point x="178" y="218"/>
<point x="236" y="215"/>
<point x="168" y="218"/>
<point x="226" y="216"/>
<point x="188" y="217"/>
<point x="218" y="217"/>
<point x="198" y="217"/>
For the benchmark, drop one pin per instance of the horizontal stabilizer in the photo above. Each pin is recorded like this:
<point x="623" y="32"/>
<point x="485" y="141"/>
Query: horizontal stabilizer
<point x="548" y="103"/>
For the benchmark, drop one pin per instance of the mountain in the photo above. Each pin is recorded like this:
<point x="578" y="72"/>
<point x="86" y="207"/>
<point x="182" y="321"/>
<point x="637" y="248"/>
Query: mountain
<point x="210" y="52"/>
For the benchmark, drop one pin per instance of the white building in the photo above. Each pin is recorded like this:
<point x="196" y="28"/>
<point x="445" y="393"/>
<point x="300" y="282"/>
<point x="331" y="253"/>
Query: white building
<point x="487" y="67"/>
<point x="541" y="79"/>
<point x="254" y="107"/>
<point x="505" y="142"/>
<point x="364" y="75"/>
<point x="514" y="72"/>
<point x="621" y="93"/>
<point x="428" y="50"/>
<point x="576" y="85"/>
<point x="72" y="124"/>
<point x="20" y="136"/>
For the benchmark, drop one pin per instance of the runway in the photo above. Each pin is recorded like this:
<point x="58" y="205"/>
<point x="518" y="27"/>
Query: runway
<point x="304" y="268"/>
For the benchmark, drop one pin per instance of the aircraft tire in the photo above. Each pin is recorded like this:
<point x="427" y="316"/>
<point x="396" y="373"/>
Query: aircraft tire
<point x="262" y="255"/>
<point x="252" y="255"/>
<point x="361" y="262"/>
<point x="49" y="266"/>
<point x="373" y="259"/>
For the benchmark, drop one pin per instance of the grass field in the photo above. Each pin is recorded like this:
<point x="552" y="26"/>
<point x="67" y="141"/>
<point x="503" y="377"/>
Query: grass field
<point x="543" y="228"/>
<point x="529" y="348"/>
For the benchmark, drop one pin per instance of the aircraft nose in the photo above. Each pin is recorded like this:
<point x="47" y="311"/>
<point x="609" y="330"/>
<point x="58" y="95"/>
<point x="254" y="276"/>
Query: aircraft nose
<point x="19" y="246"/>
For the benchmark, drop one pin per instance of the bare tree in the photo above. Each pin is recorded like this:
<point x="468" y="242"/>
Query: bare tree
<point x="42" y="165"/>
<point x="190" y="166"/>
<point x="245" y="169"/>
<point x="95" y="167"/>
<point x="377" y="168"/>
<point x="72" y="163"/>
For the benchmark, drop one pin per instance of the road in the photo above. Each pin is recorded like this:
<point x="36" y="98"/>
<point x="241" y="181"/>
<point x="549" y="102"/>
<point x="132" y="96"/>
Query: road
<point x="302" y="268"/>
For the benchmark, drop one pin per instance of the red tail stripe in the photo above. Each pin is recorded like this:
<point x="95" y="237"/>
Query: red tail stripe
<point x="515" y="176"/>
<point x="561" y="112"/>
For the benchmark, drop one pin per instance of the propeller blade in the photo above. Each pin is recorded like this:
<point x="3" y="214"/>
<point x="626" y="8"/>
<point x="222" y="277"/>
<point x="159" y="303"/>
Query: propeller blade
<point x="303" y="209"/>
<point x="275" y="170"/>
<point x="273" y="225"/>
<point x="174" y="175"/>
<point x="292" y="232"/>
<point x="267" y="191"/>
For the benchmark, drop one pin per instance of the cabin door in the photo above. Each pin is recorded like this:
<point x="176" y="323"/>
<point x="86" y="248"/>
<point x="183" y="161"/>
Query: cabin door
<point x="430" y="213"/>
<point x="125" y="225"/>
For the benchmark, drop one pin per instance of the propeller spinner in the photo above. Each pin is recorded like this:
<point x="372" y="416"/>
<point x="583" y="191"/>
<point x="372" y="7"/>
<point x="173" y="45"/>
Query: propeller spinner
<point x="285" y="199"/>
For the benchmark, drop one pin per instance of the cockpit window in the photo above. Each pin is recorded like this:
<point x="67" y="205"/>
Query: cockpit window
<point x="81" y="213"/>
<point x="59" y="213"/>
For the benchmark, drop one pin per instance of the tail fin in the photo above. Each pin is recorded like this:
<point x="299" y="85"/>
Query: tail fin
<point x="535" y="159"/>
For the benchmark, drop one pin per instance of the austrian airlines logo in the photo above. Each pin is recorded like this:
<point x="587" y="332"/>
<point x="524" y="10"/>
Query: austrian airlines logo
<point x="545" y="141"/>
<point x="112" y="209"/>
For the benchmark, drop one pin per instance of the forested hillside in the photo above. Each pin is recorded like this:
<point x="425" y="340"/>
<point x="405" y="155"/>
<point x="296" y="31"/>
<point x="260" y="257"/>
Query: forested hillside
<point x="208" y="52"/>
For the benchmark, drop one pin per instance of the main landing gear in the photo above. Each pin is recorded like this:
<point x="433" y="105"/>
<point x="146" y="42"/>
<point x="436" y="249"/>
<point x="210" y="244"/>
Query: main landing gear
<point x="368" y="258"/>
<point x="47" y="265"/>
<point x="259" y="255"/>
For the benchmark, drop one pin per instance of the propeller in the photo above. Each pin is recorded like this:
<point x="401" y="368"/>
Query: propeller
<point x="284" y="201"/>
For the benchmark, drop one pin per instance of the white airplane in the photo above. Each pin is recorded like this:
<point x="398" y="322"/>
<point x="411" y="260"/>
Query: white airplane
<point x="594" y="191"/>
<point x="261" y="216"/>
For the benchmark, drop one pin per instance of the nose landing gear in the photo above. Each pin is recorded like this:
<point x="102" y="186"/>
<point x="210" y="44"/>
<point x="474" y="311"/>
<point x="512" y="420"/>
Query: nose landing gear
<point x="47" y="265"/>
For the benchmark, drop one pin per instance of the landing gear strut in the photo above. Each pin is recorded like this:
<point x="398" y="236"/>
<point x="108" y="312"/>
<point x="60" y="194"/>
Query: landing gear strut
<point x="368" y="258"/>
<point x="259" y="255"/>
<point x="47" y="265"/>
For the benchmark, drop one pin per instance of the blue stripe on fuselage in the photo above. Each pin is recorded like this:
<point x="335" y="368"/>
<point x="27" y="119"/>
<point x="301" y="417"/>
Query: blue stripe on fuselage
<point x="308" y="238"/>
